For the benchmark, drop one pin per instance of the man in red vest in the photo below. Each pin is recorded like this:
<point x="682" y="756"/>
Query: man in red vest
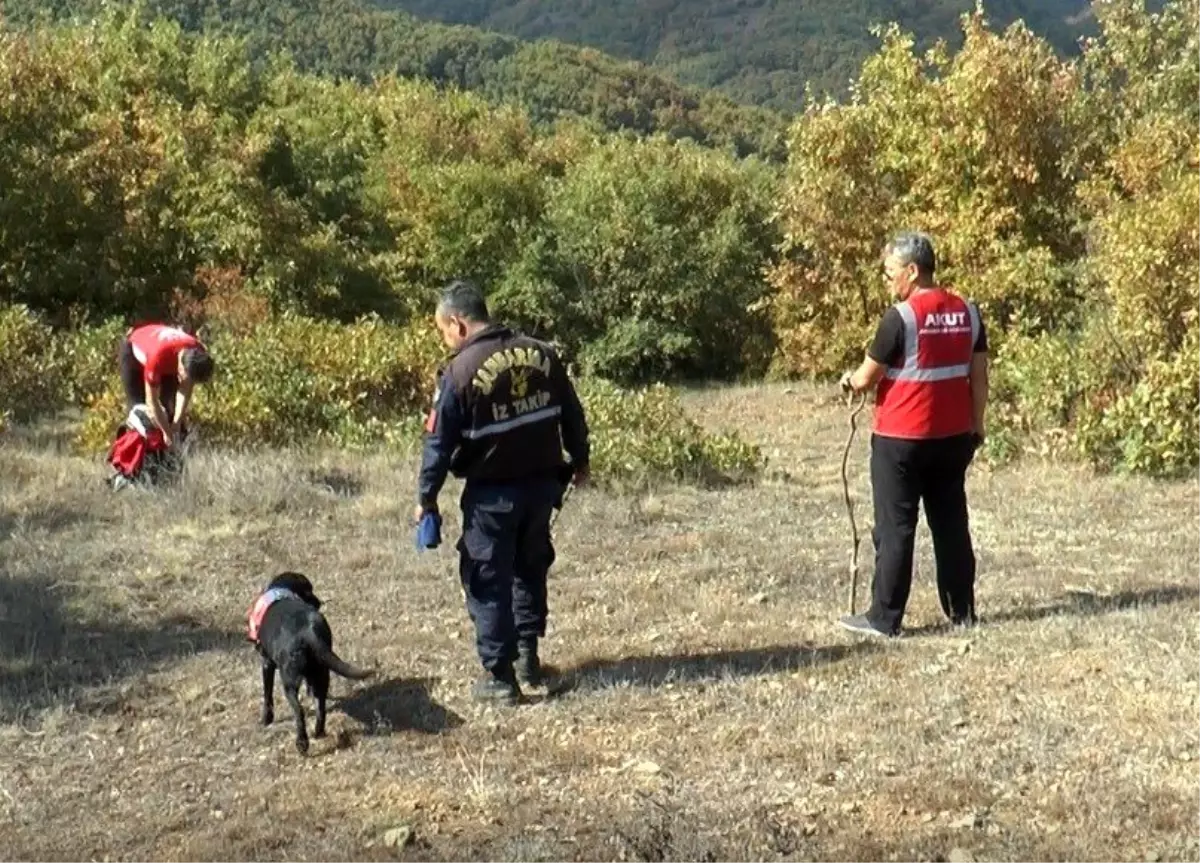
<point x="158" y="366"/>
<point x="929" y="359"/>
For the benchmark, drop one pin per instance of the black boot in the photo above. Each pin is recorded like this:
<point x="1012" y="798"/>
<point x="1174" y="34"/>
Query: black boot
<point x="498" y="685"/>
<point x="528" y="666"/>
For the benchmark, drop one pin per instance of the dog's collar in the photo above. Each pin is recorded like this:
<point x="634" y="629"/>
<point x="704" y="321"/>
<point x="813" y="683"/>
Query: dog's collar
<point x="259" y="610"/>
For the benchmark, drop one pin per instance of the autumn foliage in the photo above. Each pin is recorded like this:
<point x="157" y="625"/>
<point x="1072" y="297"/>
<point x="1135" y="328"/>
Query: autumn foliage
<point x="149" y="172"/>
<point x="1063" y="197"/>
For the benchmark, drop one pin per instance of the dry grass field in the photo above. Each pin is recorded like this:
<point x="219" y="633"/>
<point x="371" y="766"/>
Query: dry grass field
<point x="715" y="712"/>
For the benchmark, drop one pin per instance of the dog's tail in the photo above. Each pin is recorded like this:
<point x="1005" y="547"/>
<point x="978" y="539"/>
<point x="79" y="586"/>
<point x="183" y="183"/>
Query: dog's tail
<point x="334" y="662"/>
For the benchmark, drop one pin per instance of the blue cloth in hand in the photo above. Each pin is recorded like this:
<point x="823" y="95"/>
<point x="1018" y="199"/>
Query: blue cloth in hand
<point x="429" y="531"/>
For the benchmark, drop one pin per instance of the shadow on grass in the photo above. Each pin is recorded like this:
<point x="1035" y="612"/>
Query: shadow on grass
<point x="715" y="665"/>
<point x="50" y="434"/>
<point x="336" y="482"/>
<point x="51" y="519"/>
<point x="665" y="833"/>
<point x="682" y="668"/>
<point x="1079" y="604"/>
<point x="398" y="705"/>
<point x="47" y="656"/>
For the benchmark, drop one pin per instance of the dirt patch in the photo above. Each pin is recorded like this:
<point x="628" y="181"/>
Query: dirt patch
<point x="715" y="711"/>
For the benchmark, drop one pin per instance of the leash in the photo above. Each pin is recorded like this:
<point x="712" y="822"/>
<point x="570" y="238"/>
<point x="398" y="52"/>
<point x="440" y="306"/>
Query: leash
<point x="862" y="403"/>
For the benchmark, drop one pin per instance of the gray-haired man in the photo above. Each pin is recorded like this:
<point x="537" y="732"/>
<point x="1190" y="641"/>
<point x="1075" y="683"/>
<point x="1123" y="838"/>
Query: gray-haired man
<point x="929" y="359"/>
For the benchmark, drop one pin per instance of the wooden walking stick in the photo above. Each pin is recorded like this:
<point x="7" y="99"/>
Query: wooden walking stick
<point x="862" y="403"/>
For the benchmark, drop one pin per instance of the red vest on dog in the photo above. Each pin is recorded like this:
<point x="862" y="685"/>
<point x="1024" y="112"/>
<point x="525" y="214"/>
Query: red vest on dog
<point x="929" y="394"/>
<point x="258" y="611"/>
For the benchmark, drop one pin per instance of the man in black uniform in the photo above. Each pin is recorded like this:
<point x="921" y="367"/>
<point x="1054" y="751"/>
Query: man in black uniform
<point x="503" y="411"/>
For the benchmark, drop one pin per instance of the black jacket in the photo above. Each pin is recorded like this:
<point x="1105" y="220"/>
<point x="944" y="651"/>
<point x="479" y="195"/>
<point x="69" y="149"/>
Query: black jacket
<point x="503" y="411"/>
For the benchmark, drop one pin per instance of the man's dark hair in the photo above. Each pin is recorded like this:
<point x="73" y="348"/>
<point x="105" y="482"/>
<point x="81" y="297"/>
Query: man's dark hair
<point x="198" y="364"/>
<point x="914" y="247"/>
<point x="464" y="299"/>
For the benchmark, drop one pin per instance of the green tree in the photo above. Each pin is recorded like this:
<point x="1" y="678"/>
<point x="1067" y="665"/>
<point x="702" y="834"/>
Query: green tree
<point x="974" y="147"/>
<point x="651" y="264"/>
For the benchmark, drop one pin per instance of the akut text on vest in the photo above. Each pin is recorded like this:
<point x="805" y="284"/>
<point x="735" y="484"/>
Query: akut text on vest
<point x="929" y="394"/>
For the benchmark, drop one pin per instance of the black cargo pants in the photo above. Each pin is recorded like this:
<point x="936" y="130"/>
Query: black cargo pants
<point x="905" y="473"/>
<point x="505" y="554"/>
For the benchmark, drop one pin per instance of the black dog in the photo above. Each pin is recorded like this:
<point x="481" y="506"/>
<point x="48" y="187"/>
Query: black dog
<point x="291" y="634"/>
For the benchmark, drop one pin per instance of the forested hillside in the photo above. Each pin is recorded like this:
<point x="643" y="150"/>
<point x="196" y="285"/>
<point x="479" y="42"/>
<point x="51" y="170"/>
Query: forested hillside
<point x="549" y="80"/>
<point x="758" y="51"/>
<point x="725" y="73"/>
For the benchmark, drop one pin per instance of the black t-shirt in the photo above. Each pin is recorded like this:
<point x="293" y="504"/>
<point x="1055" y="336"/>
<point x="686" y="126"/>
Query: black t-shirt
<point x="887" y="349"/>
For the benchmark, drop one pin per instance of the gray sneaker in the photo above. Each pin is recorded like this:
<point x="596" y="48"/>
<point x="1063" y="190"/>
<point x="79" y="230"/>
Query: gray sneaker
<point x="858" y="623"/>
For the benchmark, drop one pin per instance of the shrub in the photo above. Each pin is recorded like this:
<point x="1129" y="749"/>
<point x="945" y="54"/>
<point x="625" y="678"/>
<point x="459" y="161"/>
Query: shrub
<point x="1036" y="383"/>
<point x="145" y="170"/>
<point x="1154" y="427"/>
<point x="640" y="436"/>
<point x="220" y="302"/>
<point x="975" y="148"/>
<point x="30" y="375"/>
<point x="1143" y="200"/>
<point x="1139" y="414"/>
<point x="650" y="264"/>
<point x="301" y="381"/>
<point x="117" y="163"/>
<point x="88" y="359"/>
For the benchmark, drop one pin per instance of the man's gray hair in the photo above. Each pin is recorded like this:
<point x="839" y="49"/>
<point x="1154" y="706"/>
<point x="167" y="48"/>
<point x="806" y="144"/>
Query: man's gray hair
<point x="914" y="247"/>
<point x="463" y="298"/>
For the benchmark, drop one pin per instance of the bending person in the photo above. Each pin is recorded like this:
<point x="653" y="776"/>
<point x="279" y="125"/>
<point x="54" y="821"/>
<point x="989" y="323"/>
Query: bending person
<point x="159" y="365"/>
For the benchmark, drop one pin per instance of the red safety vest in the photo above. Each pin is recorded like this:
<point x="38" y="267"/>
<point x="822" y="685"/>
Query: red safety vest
<point x="258" y="611"/>
<point x="157" y="348"/>
<point x="929" y="394"/>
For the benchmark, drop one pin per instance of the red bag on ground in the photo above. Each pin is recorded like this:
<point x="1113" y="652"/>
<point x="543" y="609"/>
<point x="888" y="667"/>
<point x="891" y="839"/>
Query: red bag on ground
<point x="128" y="452"/>
<point x="139" y="453"/>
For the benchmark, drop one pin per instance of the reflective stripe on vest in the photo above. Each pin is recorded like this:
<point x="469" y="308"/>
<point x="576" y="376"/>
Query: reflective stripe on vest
<point x="258" y="610"/>
<point x="910" y="371"/>
<point x="515" y="422"/>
